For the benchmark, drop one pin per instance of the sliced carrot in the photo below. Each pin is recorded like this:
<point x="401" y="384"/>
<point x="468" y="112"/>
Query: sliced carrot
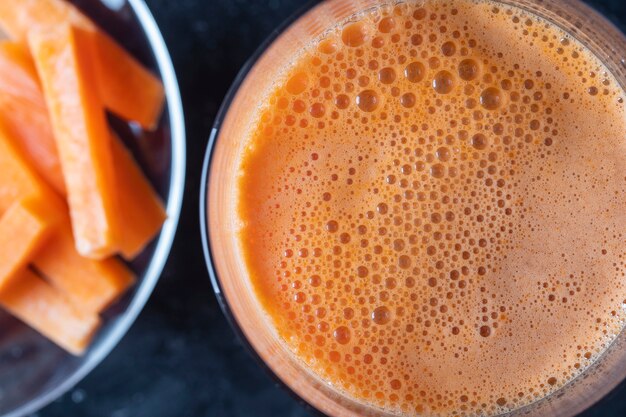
<point x="91" y="285"/>
<point x="41" y="306"/>
<point x="19" y="75"/>
<point x="128" y="89"/>
<point x="140" y="207"/>
<point x="82" y="136"/>
<point x="23" y="229"/>
<point x="141" y="210"/>
<point x="25" y="114"/>
<point x="17" y="17"/>
<point x="17" y="180"/>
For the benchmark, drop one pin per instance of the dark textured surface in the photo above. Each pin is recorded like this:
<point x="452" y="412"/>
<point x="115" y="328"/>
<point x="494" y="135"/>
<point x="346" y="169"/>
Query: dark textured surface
<point x="181" y="359"/>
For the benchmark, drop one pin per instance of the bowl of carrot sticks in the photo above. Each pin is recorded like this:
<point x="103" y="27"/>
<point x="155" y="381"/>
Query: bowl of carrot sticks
<point x="92" y="163"/>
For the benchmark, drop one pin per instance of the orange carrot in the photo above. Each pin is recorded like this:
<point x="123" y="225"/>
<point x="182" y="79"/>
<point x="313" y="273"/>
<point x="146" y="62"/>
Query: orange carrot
<point x="19" y="75"/>
<point x="128" y="89"/>
<point x="89" y="284"/>
<point x="141" y="210"/>
<point x="82" y="136"/>
<point x="23" y="229"/>
<point x="17" y="17"/>
<point x="17" y="180"/>
<point x="41" y="306"/>
<point x="55" y="141"/>
<point x="140" y="207"/>
<point x="23" y="111"/>
<point x="92" y="285"/>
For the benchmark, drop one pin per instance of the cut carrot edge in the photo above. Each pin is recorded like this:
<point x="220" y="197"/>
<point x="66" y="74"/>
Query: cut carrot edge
<point x="23" y="229"/>
<point x="141" y="208"/>
<point x="128" y="89"/>
<point x="45" y="281"/>
<point x="65" y="65"/>
<point x="23" y="110"/>
<point x="16" y="175"/>
<point x="91" y="285"/>
<point x="17" y="17"/>
<point x="32" y="300"/>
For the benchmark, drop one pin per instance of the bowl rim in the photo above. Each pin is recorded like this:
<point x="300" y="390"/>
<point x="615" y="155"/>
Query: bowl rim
<point x="166" y="238"/>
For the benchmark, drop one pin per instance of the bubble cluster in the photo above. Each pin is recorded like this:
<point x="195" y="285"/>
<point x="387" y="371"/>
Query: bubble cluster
<point x="428" y="205"/>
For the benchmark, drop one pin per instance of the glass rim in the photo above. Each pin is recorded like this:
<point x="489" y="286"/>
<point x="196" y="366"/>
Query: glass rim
<point x="174" y="199"/>
<point x="224" y="108"/>
<point x="204" y="186"/>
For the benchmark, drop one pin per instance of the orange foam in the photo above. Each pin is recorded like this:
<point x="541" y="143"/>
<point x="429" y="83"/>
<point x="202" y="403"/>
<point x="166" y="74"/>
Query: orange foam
<point x="432" y="208"/>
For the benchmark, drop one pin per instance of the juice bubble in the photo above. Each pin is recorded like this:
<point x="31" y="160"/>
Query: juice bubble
<point x="407" y="100"/>
<point x="415" y="72"/>
<point x="297" y="83"/>
<point x="381" y="315"/>
<point x="480" y="141"/>
<point x="387" y="75"/>
<point x="387" y="24"/>
<point x="367" y="100"/>
<point x="468" y="69"/>
<point x="354" y="34"/>
<point x="491" y="98"/>
<point x="443" y="83"/>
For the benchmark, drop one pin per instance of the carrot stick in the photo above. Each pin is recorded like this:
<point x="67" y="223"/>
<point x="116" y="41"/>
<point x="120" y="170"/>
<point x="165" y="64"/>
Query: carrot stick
<point x="17" y="180"/>
<point x="140" y="207"/>
<point x="127" y="88"/>
<point x="23" y="229"/>
<point x="141" y="210"/>
<point x="92" y="285"/>
<point x="17" y="17"/>
<point x="89" y="284"/>
<point x="42" y="307"/>
<point x="25" y="114"/>
<point x="82" y="136"/>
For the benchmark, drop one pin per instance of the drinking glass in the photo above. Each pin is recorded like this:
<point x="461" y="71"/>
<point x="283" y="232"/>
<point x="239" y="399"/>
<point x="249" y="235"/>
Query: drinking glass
<point x="218" y="203"/>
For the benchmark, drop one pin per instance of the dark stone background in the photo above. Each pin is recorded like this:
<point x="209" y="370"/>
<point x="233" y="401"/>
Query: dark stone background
<point x="181" y="359"/>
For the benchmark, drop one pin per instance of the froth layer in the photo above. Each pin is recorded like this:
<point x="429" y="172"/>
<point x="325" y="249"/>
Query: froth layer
<point x="432" y="208"/>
